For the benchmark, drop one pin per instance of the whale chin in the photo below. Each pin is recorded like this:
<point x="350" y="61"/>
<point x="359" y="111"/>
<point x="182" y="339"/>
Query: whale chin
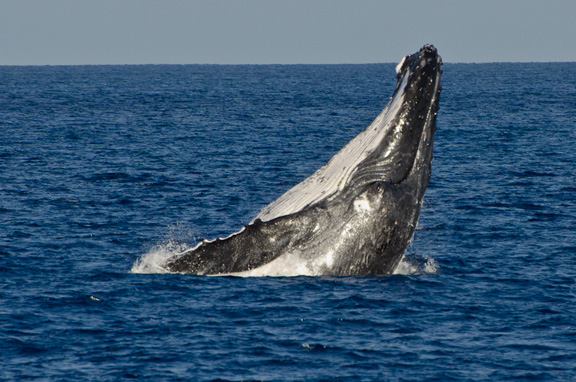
<point x="355" y="215"/>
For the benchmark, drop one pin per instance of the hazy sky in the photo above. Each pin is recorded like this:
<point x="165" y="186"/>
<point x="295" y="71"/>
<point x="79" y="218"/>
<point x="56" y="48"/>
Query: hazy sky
<point x="38" y="32"/>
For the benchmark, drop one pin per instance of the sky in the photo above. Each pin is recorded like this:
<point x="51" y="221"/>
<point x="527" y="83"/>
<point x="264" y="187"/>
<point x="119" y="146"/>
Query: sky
<point x="76" y="32"/>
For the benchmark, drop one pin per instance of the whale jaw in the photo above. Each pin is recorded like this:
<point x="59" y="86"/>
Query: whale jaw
<point x="357" y="214"/>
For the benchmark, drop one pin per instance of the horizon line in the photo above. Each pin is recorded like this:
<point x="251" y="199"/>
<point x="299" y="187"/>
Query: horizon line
<point x="283" y="64"/>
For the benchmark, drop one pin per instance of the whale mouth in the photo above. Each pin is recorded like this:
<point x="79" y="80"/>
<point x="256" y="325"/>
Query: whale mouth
<point x="397" y="144"/>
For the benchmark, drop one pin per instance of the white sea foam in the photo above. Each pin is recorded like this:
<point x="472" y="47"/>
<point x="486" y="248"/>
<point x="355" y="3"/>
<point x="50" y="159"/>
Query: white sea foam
<point x="416" y="265"/>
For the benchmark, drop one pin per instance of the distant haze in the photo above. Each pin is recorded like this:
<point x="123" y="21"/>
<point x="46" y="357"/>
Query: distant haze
<point x="57" y="32"/>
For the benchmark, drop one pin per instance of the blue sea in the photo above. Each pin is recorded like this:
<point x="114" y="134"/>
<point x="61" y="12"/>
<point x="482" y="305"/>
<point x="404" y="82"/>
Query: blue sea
<point x="103" y="168"/>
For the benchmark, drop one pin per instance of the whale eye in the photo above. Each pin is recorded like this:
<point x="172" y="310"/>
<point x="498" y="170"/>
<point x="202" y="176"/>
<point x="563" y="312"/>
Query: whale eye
<point x="400" y="66"/>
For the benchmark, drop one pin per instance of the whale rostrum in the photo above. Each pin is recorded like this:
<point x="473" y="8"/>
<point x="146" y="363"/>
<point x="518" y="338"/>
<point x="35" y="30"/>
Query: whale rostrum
<point x="355" y="215"/>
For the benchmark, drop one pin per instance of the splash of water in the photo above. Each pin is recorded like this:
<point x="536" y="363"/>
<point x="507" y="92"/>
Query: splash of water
<point x="155" y="259"/>
<point x="413" y="264"/>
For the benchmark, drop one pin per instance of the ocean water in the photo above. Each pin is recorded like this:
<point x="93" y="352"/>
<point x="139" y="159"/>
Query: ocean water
<point x="105" y="169"/>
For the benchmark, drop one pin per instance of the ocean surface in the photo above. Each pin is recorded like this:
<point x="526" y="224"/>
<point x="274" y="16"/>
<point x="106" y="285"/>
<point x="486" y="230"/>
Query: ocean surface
<point x="106" y="169"/>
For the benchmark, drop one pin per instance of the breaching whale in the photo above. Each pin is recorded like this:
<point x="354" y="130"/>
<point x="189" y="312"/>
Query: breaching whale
<point x="355" y="215"/>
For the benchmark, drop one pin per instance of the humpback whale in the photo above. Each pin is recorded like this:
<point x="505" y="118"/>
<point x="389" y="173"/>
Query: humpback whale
<point x="355" y="215"/>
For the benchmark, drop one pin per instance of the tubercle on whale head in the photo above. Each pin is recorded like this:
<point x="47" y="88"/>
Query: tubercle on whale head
<point x="424" y="62"/>
<point x="427" y="54"/>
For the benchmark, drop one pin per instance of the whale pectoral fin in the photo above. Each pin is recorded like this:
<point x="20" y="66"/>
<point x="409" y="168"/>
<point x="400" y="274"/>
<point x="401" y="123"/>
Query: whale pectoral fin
<point x="256" y="244"/>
